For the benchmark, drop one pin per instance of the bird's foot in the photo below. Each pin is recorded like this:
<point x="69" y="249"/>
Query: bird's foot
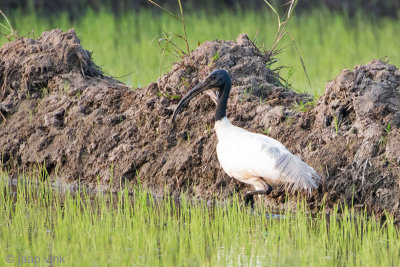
<point x="249" y="196"/>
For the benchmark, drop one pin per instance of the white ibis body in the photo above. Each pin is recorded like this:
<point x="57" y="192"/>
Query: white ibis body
<point x="249" y="157"/>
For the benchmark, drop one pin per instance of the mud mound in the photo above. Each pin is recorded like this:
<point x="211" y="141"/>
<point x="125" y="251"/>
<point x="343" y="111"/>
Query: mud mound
<point x="358" y="143"/>
<point x="28" y="65"/>
<point x="62" y="113"/>
<point x="352" y="138"/>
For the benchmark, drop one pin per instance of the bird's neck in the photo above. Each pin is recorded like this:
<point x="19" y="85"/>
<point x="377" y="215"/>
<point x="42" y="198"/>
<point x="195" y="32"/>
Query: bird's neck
<point x="222" y="128"/>
<point x="220" y="113"/>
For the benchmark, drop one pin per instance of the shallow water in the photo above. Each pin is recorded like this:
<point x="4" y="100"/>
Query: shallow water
<point x="91" y="195"/>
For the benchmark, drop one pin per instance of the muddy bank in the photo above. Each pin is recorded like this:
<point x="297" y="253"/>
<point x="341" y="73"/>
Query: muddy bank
<point x="62" y="112"/>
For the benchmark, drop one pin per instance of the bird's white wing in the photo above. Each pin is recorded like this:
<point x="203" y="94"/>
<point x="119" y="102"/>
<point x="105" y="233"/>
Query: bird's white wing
<point x="245" y="156"/>
<point x="295" y="174"/>
<point x="240" y="155"/>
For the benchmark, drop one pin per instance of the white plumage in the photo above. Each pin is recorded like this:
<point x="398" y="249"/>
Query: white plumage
<point x="257" y="159"/>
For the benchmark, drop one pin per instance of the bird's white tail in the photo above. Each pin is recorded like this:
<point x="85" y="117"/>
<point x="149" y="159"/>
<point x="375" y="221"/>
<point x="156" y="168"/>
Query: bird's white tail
<point x="296" y="175"/>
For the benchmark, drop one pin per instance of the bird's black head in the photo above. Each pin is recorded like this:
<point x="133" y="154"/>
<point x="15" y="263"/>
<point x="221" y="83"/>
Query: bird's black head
<point x="217" y="79"/>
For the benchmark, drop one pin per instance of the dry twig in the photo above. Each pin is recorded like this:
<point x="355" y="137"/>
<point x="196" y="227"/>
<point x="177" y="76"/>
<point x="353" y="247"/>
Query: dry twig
<point x="281" y="32"/>
<point x="13" y="33"/>
<point x="182" y="20"/>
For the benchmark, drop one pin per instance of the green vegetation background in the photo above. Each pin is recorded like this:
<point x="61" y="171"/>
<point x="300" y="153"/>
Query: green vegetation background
<point x="126" y="46"/>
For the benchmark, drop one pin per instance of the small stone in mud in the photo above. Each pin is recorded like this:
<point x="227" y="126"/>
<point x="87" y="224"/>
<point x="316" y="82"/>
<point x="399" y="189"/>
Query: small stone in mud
<point x="55" y="119"/>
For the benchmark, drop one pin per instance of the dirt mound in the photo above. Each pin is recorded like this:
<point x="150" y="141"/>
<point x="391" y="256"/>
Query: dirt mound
<point x="61" y="112"/>
<point x="358" y="143"/>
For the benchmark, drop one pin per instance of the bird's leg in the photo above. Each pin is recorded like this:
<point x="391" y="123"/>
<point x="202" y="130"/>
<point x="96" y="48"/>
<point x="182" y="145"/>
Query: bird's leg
<point x="248" y="197"/>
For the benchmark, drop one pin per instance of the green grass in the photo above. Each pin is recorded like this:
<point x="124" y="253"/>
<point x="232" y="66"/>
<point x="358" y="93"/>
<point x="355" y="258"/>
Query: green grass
<point x="37" y="220"/>
<point x="128" y="45"/>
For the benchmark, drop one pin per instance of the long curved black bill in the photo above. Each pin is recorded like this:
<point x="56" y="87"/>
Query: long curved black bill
<point x="189" y="95"/>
